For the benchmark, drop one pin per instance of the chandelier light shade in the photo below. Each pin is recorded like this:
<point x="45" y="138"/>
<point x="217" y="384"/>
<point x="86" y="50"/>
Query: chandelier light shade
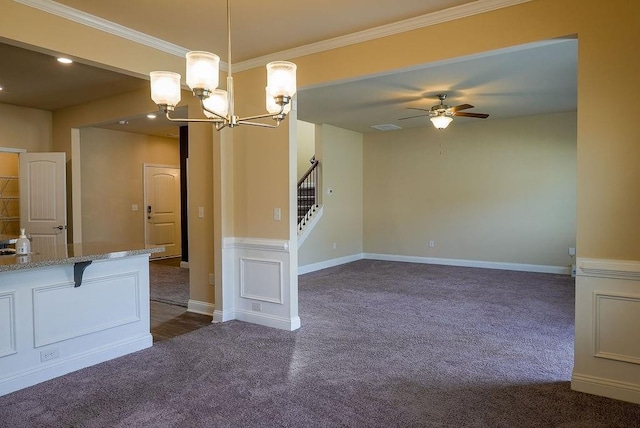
<point x="281" y="78"/>
<point x="203" y="70"/>
<point x="217" y="102"/>
<point x="441" y="121"/>
<point x="165" y="88"/>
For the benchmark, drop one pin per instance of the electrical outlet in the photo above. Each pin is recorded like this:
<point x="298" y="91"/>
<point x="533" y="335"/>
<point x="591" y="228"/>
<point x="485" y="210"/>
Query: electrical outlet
<point x="256" y="306"/>
<point x="572" y="251"/>
<point x="335" y="245"/>
<point x="200" y="212"/>
<point x="277" y="214"/>
<point x="212" y="279"/>
<point x="50" y="354"/>
<point x="432" y="244"/>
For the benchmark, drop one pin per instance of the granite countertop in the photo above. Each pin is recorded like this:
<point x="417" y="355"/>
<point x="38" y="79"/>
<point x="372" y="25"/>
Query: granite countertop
<point x="73" y="253"/>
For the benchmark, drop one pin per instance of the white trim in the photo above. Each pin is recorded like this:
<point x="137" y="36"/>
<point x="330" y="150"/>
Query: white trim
<point x="220" y="316"/>
<point x="12" y="150"/>
<point x="198" y="307"/>
<point x="42" y="373"/>
<point x="417" y="22"/>
<point x="306" y="230"/>
<point x="268" y="320"/>
<point x="620" y="269"/>
<point x="184" y="265"/>
<point x="605" y="387"/>
<point x="434" y="18"/>
<point x="562" y="270"/>
<point x="329" y="263"/>
<point x="259" y="244"/>
<point x="101" y="24"/>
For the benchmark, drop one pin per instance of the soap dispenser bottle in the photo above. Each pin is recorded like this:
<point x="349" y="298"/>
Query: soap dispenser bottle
<point x="23" y="246"/>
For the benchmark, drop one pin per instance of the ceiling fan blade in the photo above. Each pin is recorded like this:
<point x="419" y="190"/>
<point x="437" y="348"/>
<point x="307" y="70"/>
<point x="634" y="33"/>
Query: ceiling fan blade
<point x="416" y="108"/>
<point x="411" y="117"/>
<point x="476" y="115"/>
<point x="460" y="107"/>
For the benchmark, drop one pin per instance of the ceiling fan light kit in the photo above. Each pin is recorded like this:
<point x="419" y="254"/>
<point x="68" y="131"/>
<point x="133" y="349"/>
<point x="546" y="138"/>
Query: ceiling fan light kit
<point x="441" y="115"/>
<point x="441" y="121"/>
<point x="203" y="70"/>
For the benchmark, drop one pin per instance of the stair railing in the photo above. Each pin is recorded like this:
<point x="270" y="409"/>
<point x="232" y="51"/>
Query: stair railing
<point x="308" y="193"/>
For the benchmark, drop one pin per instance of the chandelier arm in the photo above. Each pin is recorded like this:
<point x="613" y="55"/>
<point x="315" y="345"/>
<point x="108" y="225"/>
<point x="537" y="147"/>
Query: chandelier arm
<point x="262" y="116"/>
<point x="260" y="124"/>
<point x="179" y="119"/>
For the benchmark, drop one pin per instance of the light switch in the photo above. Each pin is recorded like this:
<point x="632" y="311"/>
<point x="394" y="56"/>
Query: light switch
<point x="200" y="212"/>
<point x="134" y="207"/>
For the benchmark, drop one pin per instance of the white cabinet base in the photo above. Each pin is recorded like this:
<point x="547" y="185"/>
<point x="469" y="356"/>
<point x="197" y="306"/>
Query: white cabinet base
<point x="50" y="327"/>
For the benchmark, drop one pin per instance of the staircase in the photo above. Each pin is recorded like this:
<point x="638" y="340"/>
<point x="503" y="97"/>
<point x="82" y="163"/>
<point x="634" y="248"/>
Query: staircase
<point x="308" y="195"/>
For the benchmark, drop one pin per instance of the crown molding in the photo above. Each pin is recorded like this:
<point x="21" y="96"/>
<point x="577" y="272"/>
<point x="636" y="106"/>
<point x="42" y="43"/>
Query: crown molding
<point x="451" y="14"/>
<point x="97" y="23"/>
<point x="457" y="12"/>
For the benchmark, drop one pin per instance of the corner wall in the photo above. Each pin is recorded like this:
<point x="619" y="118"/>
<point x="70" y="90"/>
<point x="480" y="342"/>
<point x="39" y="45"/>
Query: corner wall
<point x="340" y="154"/>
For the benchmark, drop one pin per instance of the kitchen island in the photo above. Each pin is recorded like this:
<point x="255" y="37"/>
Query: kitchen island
<point x="69" y="307"/>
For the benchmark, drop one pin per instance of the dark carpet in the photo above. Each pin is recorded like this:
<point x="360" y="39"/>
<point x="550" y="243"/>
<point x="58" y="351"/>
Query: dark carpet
<point x="168" y="282"/>
<point x="383" y="344"/>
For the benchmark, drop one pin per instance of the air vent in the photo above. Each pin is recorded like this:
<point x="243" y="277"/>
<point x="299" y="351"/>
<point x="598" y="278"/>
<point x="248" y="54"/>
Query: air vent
<point x="386" y="127"/>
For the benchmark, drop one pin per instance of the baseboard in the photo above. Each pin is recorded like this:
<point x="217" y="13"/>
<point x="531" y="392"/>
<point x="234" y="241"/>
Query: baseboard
<point x="198" y="307"/>
<point x="184" y="265"/>
<point x="268" y="320"/>
<point x="76" y="362"/>
<point x="561" y="270"/>
<point x="607" y="388"/>
<point x="329" y="263"/>
<point x="223" y="316"/>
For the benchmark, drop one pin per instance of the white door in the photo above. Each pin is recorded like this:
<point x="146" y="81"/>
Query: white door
<point x="43" y="199"/>
<point x="162" y="209"/>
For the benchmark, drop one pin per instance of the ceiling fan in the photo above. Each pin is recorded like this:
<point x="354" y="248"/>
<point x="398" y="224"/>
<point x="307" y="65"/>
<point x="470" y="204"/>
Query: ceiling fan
<point x="441" y="114"/>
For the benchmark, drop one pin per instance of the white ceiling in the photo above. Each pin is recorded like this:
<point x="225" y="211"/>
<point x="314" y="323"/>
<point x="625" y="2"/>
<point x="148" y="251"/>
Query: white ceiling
<point x="520" y="81"/>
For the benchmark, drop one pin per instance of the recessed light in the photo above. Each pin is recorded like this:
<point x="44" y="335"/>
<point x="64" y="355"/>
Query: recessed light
<point x="123" y="122"/>
<point x="1" y="88"/>
<point x="64" y="60"/>
<point x="151" y="116"/>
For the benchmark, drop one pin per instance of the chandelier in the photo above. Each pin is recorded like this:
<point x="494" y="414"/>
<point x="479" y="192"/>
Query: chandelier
<point x="218" y="104"/>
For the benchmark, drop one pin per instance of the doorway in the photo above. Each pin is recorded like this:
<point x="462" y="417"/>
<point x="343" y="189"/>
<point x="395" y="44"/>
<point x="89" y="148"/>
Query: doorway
<point x="162" y="209"/>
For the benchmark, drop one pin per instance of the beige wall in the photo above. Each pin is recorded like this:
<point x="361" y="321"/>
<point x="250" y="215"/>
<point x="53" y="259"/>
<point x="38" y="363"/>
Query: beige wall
<point x="607" y="153"/>
<point x="112" y="180"/>
<point x="25" y="128"/>
<point x="340" y="154"/>
<point x="306" y="146"/>
<point x="495" y="190"/>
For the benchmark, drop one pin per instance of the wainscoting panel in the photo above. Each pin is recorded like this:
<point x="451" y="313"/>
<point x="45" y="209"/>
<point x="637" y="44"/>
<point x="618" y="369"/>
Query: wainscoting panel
<point x="264" y="290"/>
<point x="261" y="280"/>
<point x="607" y="350"/>
<point x="616" y="320"/>
<point x="56" y="308"/>
<point x="7" y="324"/>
